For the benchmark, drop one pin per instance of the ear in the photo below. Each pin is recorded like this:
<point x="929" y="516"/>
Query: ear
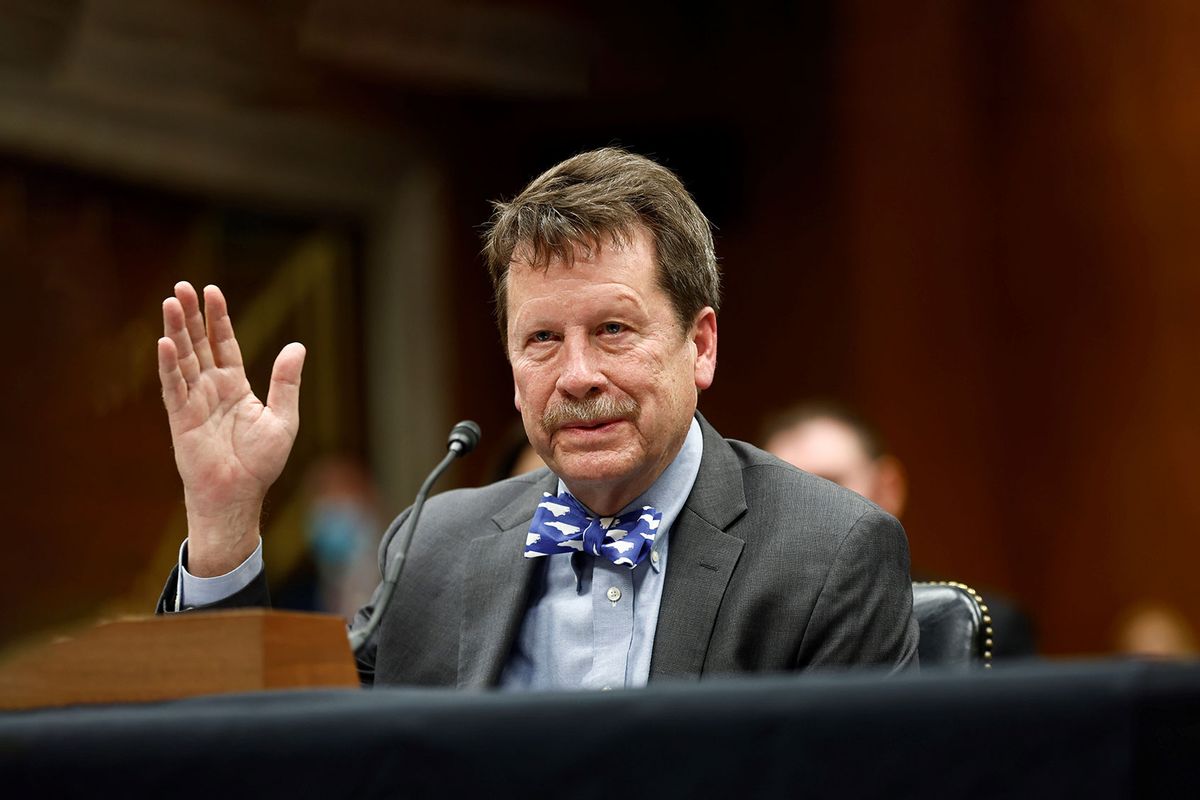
<point x="893" y="484"/>
<point x="516" y="397"/>
<point x="704" y="339"/>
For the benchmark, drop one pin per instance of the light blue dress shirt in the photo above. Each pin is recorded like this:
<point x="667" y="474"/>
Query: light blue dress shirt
<point x="590" y="624"/>
<point x="191" y="591"/>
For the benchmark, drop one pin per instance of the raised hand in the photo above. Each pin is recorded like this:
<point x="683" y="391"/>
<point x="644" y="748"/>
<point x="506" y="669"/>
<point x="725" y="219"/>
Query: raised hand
<point x="229" y="447"/>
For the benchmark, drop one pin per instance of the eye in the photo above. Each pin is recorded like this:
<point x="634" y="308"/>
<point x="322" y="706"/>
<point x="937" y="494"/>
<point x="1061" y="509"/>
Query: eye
<point x="612" y="328"/>
<point x="541" y="336"/>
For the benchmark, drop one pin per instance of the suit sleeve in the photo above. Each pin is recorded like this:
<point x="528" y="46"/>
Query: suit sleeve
<point x="863" y="615"/>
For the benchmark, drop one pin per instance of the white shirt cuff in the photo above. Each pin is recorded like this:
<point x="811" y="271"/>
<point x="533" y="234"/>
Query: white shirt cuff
<point x="192" y="591"/>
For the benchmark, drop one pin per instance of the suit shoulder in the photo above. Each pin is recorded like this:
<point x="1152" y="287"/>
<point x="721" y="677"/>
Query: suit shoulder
<point x="767" y="473"/>
<point x="493" y="494"/>
<point x="461" y="510"/>
<point x="775" y="487"/>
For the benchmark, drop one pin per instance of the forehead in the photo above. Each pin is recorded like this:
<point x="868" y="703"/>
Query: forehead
<point x="622" y="267"/>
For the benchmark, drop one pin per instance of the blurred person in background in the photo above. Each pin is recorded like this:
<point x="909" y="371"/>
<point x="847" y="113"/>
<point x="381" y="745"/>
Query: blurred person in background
<point x="1155" y="630"/>
<point x="831" y="440"/>
<point x="342" y="527"/>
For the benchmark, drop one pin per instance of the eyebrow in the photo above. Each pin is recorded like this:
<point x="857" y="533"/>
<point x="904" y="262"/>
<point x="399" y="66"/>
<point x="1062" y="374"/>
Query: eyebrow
<point x="623" y="300"/>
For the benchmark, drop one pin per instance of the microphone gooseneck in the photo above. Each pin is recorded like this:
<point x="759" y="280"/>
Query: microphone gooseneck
<point x="463" y="439"/>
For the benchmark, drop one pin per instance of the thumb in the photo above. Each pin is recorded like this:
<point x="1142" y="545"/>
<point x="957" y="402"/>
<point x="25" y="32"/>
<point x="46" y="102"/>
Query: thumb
<point x="283" y="398"/>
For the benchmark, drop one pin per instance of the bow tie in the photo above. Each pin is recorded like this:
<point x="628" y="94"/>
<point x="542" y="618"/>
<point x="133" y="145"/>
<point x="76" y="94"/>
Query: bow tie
<point x="562" y="525"/>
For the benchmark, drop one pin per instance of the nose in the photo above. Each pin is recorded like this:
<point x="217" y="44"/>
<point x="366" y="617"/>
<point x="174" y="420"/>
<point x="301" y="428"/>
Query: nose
<point x="581" y="372"/>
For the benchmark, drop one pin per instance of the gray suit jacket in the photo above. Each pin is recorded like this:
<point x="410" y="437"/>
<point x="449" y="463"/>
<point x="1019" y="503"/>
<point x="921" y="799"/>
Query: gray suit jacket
<point x="771" y="569"/>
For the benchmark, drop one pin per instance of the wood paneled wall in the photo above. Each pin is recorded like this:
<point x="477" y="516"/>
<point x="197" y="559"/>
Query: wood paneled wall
<point x="1018" y="189"/>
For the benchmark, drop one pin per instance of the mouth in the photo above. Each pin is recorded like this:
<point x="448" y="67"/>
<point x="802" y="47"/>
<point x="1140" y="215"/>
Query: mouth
<point x="592" y="426"/>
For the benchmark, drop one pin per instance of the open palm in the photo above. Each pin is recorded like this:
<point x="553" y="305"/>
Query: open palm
<point x="229" y="447"/>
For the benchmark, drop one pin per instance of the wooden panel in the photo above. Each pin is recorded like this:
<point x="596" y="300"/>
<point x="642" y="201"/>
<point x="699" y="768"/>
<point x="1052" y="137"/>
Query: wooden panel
<point x="183" y="655"/>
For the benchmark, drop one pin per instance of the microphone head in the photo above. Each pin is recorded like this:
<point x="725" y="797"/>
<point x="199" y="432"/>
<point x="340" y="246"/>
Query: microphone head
<point x="464" y="436"/>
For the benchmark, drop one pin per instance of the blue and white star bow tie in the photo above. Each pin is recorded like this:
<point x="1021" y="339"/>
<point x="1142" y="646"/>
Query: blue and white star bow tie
<point x="562" y="525"/>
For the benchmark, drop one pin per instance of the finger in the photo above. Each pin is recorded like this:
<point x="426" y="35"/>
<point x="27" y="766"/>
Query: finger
<point x="195" y="323"/>
<point x="174" y="387"/>
<point x="175" y="328"/>
<point x="226" y="351"/>
<point x="283" y="398"/>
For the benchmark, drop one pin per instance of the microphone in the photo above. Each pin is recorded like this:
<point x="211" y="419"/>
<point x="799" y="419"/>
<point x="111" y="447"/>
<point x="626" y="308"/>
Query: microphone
<point x="463" y="439"/>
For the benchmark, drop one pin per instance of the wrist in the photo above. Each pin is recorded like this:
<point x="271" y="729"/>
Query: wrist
<point x="219" y="541"/>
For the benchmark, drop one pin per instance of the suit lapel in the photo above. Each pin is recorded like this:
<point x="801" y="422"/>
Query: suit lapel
<point x="701" y="558"/>
<point x="496" y="591"/>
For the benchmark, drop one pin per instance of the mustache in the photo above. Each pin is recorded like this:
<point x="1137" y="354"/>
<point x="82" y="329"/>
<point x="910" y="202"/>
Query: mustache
<point x="588" y="410"/>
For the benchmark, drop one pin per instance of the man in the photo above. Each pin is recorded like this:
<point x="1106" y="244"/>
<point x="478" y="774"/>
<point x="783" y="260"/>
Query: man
<point x="830" y="440"/>
<point x="833" y="441"/>
<point x="650" y="548"/>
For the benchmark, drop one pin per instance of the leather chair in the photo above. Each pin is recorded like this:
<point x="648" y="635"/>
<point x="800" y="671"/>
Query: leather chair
<point x="956" y="629"/>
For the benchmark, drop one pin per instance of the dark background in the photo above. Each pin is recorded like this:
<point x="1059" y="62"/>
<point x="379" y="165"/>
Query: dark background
<point x="974" y="221"/>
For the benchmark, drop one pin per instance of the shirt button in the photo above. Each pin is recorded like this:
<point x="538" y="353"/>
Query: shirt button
<point x="614" y="594"/>
<point x="606" y="689"/>
<point x="654" y="557"/>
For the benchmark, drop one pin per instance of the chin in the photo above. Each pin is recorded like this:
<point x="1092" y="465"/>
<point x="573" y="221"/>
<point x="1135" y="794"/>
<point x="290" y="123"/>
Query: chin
<point x="594" y="467"/>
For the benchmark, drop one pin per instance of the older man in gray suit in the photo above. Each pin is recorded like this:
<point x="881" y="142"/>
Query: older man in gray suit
<point x="650" y="548"/>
